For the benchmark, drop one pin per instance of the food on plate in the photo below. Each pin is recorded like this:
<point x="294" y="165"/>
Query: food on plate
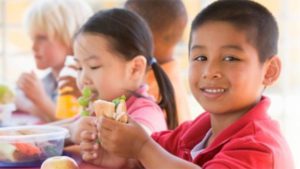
<point x="59" y="162"/>
<point x="115" y="110"/>
<point x="6" y="95"/>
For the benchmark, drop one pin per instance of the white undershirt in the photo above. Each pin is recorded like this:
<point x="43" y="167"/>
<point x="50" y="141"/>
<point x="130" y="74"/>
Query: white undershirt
<point x="201" y="146"/>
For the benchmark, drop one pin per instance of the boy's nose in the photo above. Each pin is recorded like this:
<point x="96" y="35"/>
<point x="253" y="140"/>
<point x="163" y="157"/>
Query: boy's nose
<point x="211" y="71"/>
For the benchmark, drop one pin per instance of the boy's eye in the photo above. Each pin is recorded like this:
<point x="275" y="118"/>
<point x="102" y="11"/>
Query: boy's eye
<point x="231" y="58"/>
<point x="200" y="58"/>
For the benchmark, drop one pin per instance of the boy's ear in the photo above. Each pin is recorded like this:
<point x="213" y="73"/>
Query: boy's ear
<point x="138" y="66"/>
<point x="272" y="71"/>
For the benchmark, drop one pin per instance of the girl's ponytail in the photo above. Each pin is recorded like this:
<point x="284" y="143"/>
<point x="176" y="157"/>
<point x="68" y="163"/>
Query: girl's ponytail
<point x="167" y="101"/>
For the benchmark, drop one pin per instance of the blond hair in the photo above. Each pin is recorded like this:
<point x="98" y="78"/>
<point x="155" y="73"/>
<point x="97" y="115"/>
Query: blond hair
<point x="59" y="19"/>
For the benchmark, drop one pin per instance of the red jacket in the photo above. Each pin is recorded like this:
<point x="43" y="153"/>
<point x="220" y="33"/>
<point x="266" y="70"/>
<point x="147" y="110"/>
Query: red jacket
<point x="254" y="141"/>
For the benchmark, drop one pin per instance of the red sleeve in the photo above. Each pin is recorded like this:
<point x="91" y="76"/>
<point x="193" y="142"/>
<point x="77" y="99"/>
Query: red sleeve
<point x="170" y="139"/>
<point x="242" y="154"/>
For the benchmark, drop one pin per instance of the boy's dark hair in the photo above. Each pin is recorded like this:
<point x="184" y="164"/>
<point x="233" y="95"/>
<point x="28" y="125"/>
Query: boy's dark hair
<point x="254" y="19"/>
<point x="159" y="14"/>
<point x="130" y="36"/>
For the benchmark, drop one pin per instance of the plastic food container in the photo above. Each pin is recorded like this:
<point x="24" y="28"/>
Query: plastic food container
<point x="5" y="113"/>
<point x="31" y="143"/>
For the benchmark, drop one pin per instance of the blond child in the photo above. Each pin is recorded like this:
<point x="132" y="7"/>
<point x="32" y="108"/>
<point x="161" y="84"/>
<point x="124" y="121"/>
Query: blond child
<point x="232" y="55"/>
<point x="167" y="30"/>
<point x="51" y="25"/>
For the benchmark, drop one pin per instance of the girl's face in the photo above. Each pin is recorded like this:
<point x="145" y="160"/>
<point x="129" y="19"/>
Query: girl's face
<point x="100" y="68"/>
<point x="48" y="53"/>
<point x="225" y="74"/>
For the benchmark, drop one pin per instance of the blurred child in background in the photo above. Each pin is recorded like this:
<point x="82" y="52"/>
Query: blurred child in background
<point x="167" y="30"/>
<point x="51" y="25"/>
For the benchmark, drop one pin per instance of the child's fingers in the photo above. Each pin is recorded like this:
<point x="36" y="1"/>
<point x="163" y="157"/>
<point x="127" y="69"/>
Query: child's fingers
<point x="89" y="156"/>
<point x="67" y="81"/>
<point x="88" y="136"/>
<point x="64" y="78"/>
<point x="89" y="121"/>
<point x="107" y="124"/>
<point x="89" y="150"/>
<point x="89" y="146"/>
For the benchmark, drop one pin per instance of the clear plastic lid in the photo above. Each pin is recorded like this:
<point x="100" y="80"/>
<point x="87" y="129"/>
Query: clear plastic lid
<point x="32" y="133"/>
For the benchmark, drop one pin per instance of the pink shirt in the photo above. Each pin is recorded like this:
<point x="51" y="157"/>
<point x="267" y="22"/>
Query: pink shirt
<point x="144" y="110"/>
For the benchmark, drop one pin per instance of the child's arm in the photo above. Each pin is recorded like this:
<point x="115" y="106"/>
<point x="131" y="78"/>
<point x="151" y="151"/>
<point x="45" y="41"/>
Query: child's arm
<point x="131" y="141"/>
<point x="154" y="156"/>
<point x="32" y="87"/>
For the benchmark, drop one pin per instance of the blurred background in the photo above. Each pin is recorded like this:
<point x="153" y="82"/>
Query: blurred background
<point x="16" y="57"/>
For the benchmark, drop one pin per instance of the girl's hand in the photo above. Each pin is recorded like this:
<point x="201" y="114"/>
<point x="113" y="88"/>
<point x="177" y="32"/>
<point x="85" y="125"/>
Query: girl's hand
<point x="92" y="152"/>
<point x="32" y="87"/>
<point x="89" y="147"/>
<point x="82" y="124"/>
<point x="124" y="140"/>
<point x="69" y="81"/>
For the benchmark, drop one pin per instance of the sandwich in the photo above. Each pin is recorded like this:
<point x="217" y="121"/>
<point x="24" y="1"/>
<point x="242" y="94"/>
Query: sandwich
<point x="115" y="110"/>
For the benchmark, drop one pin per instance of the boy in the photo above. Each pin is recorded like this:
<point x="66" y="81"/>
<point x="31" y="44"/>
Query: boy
<point x="233" y="46"/>
<point x="51" y="25"/>
<point x="167" y="30"/>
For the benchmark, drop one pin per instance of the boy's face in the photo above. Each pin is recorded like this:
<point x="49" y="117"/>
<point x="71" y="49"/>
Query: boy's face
<point x="99" y="68"/>
<point x="225" y="74"/>
<point x="48" y="53"/>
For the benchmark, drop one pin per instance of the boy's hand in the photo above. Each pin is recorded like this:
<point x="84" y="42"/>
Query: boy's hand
<point x="122" y="139"/>
<point x="82" y="124"/>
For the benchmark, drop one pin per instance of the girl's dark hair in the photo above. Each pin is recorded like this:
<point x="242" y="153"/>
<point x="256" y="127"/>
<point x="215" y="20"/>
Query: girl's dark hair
<point x="254" y="19"/>
<point x="130" y="36"/>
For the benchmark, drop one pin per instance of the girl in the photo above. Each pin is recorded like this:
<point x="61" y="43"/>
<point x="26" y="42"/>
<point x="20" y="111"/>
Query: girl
<point x="113" y="51"/>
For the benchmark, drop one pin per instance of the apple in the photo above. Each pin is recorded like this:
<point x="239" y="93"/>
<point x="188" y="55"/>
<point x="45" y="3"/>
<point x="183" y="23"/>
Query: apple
<point x="6" y="94"/>
<point x="59" y="162"/>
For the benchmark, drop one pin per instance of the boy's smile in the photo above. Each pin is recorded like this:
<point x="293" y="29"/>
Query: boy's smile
<point x="212" y="92"/>
<point x="225" y="74"/>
